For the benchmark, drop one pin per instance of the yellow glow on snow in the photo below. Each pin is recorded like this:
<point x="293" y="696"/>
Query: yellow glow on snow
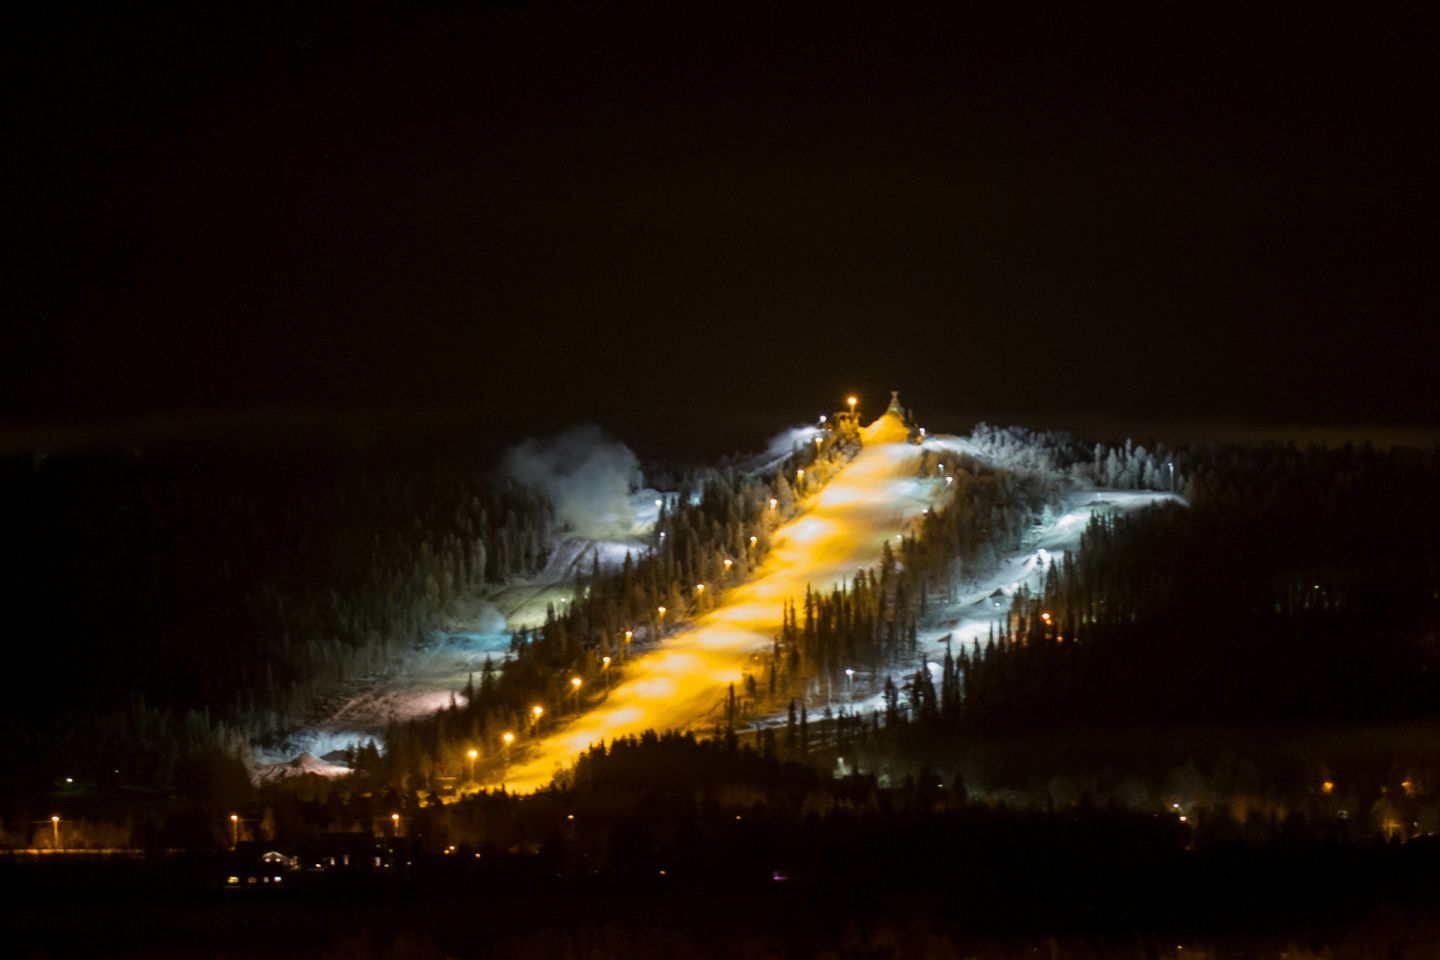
<point x="685" y="680"/>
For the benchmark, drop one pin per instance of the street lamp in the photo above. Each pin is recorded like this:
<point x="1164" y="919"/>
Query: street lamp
<point x="727" y="565"/>
<point x="661" y="611"/>
<point x="55" y="828"/>
<point x="234" y="830"/>
<point x="537" y="712"/>
<point x="754" y="540"/>
<point x="850" y="680"/>
<point x="852" y="401"/>
<point x="773" y="504"/>
<point x="507" y="738"/>
<point x="395" y="823"/>
<point x="473" y="754"/>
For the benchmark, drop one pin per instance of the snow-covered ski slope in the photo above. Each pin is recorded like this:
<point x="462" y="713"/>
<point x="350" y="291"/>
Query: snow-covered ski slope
<point x="838" y="532"/>
<point x="681" y="683"/>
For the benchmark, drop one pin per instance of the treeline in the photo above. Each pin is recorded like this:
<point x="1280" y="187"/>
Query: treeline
<point x="1300" y="586"/>
<point x="1128" y="466"/>
<point x="176" y="604"/>
<point x="711" y="534"/>
<point x="1297" y="597"/>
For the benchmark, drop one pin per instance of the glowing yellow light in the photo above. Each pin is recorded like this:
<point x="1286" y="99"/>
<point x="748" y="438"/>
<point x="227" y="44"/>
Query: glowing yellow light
<point x="661" y="610"/>
<point x="799" y="474"/>
<point x="727" y="564"/>
<point x="629" y="634"/>
<point x="773" y="504"/>
<point x="605" y="660"/>
<point x="699" y="588"/>
<point x="754" y="540"/>
<point x="508" y="737"/>
<point x="395" y="817"/>
<point x="538" y="710"/>
<point x="1327" y="787"/>
<point x="852" y="401"/>
<point x="234" y="818"/>
<point x="575" y="682"/>
<point x="54" y="819"/>
<point x="569" y="816"/>
<point x="473" y="754"/>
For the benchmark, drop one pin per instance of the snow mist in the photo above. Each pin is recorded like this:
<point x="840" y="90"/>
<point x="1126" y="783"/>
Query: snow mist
<point x="586" y="475"/>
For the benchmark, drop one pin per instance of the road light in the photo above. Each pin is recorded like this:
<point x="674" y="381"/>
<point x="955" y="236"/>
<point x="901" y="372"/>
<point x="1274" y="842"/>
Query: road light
<point x="799" y="475"/>
<point x="507" y="738"/>
<point x="727" y="565"/>
<point x="474" y="755"/>
<point x="605" y="670"/>
<point x="537" y="712"/>
<point x="850" y="679"/>
<point x="661" y="611"/>
<point x="754" y="540"/>
<point x="234" y="830"/>
<point x="699" y="588"/>
<point x="55" y="828"/>
<point x="852" y="401"/>
<point x="395" y="823"/>
<point x="773" y="503"/>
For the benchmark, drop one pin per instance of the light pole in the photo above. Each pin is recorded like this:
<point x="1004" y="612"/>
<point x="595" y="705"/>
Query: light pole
<point x="473" y="754"/>
<point x="1171" y="465"/>
<point x="55" y="830"/>
<point x="852" y="401"/>
<point x="628" y="635"/>
<point x="395" y="823"/>
<point x="234" y="830"/>
<point x="605" y="670"/>
<point x="575" y="683"/>
<point x="850" y="681"/>
<point x="537" y="712"/>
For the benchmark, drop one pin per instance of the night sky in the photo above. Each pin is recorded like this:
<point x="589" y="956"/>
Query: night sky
<point x="711" y="213"/>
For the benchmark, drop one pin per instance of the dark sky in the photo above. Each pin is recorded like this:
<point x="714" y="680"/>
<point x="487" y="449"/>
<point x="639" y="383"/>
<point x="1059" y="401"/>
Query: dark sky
<point x="1155" y="212"/>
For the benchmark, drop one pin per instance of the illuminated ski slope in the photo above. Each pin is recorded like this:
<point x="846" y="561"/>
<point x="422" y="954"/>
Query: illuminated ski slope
<point x="682" y="682"/>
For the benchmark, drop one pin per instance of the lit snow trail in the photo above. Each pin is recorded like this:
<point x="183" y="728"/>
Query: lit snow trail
<point x="683" y="681"/>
